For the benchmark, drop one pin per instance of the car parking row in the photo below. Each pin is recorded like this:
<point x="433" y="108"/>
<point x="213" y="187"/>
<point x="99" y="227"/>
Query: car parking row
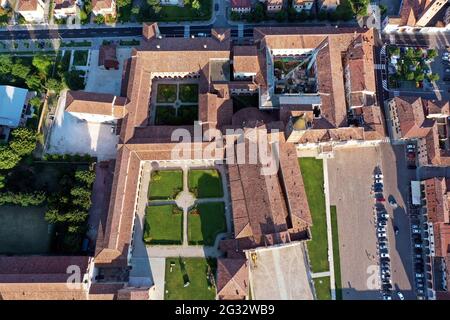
<point x="381" y="220"/>
<point x="423" y="248"/>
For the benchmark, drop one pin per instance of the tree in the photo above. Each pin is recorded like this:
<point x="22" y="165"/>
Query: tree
<point x="135" y="10"/>
<point x="258" y="13"/>
<point x="52" y="216"/>
<point x="99" y="19"/>
<point x="433" y="77"/>
<point x="5" y="64"/>
<point x="54" y="85"/>
<point x="281" y="16"/>
<point x="23" y="141"/>
<point x="123" y="3"/>
<point x="196" y="4"/>
<point x="83" y="16"/>
<point x="420" y="77"/>
<point x="2" y="181"/>
<point x="33" y="82"/>
<point x="8" y="158"/>
<point x="42" y="63"/>
<point x="432" y="53"/>
<point x="19" y="70"/>
<point x="152" y="3"/>
<point x="85" y="176"/>
<point x="410" y="76"/>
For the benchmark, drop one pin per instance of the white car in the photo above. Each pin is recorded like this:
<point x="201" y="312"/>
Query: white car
<point x="384" y="255"/>
<point x="384" y="215"/>
<point x="381" y="235"/>
<point x="419" y="275"/>
<point x="400" y="295"/>
<point x="383" y="246"/>
<point x="381" y="229"/>
<point x="379" y="176"/>
<point x="378" y="180"/>
<point x="416" y="231"/>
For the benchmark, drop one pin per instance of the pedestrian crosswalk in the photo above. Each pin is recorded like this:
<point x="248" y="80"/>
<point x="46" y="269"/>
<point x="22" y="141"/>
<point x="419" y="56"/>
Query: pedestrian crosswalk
<point x="383" y="50"/>
<point x="186" y="31"/>
<point x="385" y="84"/>
<point x="379" y="66"/>
<point x="396" y="93"/>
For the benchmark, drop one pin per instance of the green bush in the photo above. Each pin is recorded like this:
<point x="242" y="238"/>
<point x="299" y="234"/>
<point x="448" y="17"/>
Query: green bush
<point x="22" y="199"/>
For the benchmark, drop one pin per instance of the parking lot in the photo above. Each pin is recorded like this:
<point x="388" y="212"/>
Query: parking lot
<point x="441" y="66"/>
<point x="351" y="177"/>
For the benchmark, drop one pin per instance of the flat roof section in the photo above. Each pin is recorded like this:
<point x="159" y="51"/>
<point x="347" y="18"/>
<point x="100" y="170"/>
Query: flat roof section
<point x="280" y="273"/>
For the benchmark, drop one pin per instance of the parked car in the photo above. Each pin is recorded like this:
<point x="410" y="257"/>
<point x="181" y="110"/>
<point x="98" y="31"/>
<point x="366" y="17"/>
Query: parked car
<point x="384" y="255"/>
<point x="387" y="296"/>
<point x="384" y="215"/>
<point x="396" y="230"/>
<point x="392" y="202"/>
<point x="378" y="176"/>
<point x="381" y="199"/>
<point x="400" y="295"/>
<point x="378" y="180"/>
<point x="381" y="229"/>
<point x="419" y="275"/>
<point x="383" y="246"/>
<point x="420" y="292"/>
<point x="381" y="234"/>
<point x="382" y="223"/>
<point x="416" y="231"/>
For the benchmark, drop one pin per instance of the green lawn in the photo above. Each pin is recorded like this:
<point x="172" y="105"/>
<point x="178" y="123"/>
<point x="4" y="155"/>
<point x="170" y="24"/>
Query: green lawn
<point x="80" y="58"/>
<point x="312" y="172"/>
<point x="166" y="93"/>
<point x="192" y="270"/>
<point x="23" y="230"/>
<point x="165" y="184"/>
<point x="163" y="225"/>
<point x="166" y="115"/>
<point x="323" y="289"/>
<point x="205" y="222"/>
<point x="205" y="183"/>
<point x="336" y="257"/>
<point x="186" y="13"/>
<point x="188" y="92"/>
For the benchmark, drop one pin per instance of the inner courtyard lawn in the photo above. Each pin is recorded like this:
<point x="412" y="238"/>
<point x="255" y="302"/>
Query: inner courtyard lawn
<point x="205" y="183"/>
<point x="188" y="92"/>
<point x="192" y="270"/>
<point x="163" y="225"/>
<point x="205" y="222"/>
<point x="165" y="184"/>
<point x="312" y="172"/>
<point x="166" y="93"/>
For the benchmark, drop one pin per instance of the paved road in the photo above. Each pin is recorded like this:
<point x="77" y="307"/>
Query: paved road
<point x="174" y="31"/>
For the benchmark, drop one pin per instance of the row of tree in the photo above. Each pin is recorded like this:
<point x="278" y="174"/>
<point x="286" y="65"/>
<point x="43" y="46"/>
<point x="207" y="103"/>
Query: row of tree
<point x="69" y="209"/>
<point x="23" y="199"/>
<point x="22" y="143"/>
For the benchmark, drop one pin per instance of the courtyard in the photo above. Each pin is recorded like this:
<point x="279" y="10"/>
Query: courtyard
<point x="71" y="135"/>
<point x="190" y="279"/>
<point x="175" y="103"/>
<point x="97" y="75"/>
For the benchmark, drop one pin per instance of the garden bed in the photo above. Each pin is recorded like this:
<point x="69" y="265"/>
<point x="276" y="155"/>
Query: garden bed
<point x="165" y="184"/>
<point x="166" y="93"/>
<point x="80" y="58"/>
<point x="205" y="222"/>
<point x="205" y="183"/>
<point x="163" y="225"/>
